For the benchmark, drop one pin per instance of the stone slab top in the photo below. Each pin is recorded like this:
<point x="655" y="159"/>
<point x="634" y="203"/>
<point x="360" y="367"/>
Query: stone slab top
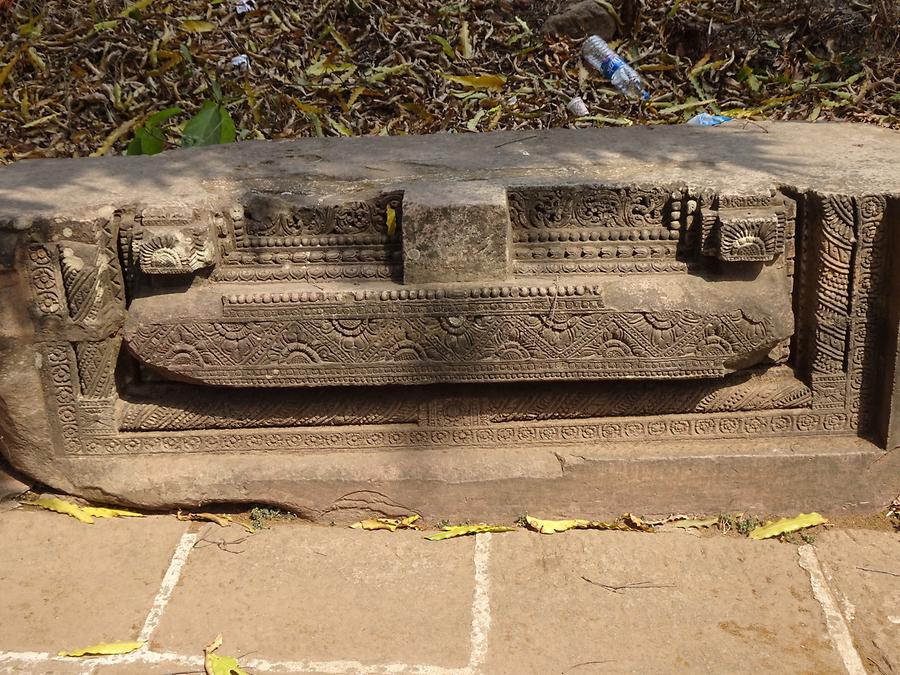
<point x="737" y="157"/>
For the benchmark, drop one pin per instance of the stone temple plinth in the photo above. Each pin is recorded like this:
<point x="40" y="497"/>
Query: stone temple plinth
<point x="466" y="326"/>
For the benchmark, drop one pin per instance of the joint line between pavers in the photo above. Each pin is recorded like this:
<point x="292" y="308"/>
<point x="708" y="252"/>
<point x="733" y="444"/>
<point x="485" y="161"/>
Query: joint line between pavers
<point x="179" y="558"/>
<point x="481" y="602"/>
<point x="838" y="631"/>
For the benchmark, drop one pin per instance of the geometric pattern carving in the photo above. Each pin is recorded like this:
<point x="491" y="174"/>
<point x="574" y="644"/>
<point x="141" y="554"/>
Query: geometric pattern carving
<point x="96" y="366"/>
<point x="417" y="341"/>
<point x="186" y="407"/>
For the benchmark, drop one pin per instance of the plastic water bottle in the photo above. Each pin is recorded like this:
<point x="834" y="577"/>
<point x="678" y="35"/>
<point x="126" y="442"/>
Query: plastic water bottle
<point x="707" y="120"/>
<point x="623" y="77"/>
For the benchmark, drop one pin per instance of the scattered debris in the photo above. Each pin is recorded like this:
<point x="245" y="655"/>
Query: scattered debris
<point x="893" y="513"/>
<point x="707" y="120"/>
<point x="241" y="62"/>
<point x="390" y="524"/>
<point x="104" y="649"/>
<point x="85" y="514"/>
<point x="635" y="585"/>
<point x="694" y="522"/>
<point x="603" y="59"/>
<point x="451" y="531"/>
<point x="219" y="519"/>
<point x="577" y="107"/>
<point x="784" y="525"/>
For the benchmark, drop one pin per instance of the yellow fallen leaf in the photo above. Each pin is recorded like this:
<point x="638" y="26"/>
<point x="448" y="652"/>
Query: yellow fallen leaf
<point x="694" y="522"/>
<point x="193" y="26"/>
<point x="493" y="82"/>
<point x="627" y="522"/>
<point x="105" y="649"/>
<point x="784" y="525"/>
<point x="554" y="526"/>
<point x="136" y="7"/>
<point x="62" y="506"/>
<point x="451" y="531"/>
<point x="223" y="665"/>
<point x="100" y="512"/>
<point x="391" y="220"/>
<point x="390" y="524"/>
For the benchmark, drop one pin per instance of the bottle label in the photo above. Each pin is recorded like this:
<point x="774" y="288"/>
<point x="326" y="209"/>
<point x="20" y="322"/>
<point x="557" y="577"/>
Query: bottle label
<point x="610" y="64"/>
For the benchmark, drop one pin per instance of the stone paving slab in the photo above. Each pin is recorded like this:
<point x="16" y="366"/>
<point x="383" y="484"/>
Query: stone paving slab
<point x="65" y="584"/>
<point x="863" y="568"/>
<point x="309" y="593"/>
<point x="723" y="605"/>
<point x="298" y="598"/>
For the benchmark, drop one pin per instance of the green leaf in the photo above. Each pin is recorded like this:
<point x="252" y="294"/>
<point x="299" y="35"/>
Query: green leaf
<point x="134" y="145"/>
<point x="773" y="529"/>
<point x="161" y="116"/>
<point x="445" y="45"/>
<point x="210" y="126"/>
<point x="149" y="138"/>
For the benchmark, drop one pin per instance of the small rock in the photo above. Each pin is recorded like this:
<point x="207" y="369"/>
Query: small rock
<point x="581" y="19"/>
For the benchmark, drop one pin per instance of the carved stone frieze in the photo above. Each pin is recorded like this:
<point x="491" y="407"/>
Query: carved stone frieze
<point x="527" y="336"/>
<point x="592" y="228"/>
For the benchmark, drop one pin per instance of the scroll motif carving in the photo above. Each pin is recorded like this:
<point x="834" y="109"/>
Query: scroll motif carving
<point x="281" y="237"/>
<point x="62" y="381"/>
<point x="594" y="229"/>
<point x="867" y="308"/>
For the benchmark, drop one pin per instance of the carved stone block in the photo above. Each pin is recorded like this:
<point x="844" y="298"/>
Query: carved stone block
<point x="477" y="329"/>
<point x="456" y="232"/>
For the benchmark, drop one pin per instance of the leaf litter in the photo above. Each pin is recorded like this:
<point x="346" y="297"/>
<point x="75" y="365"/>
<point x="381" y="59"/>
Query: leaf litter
<point x="77" y="78"/>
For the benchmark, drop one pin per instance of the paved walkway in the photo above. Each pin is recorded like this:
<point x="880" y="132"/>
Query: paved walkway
<point x="298" y="598"/>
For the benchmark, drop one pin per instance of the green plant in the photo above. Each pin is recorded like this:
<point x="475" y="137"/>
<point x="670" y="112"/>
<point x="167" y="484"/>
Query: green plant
<point x="148" y="138"/>
<point x="738" y="522"/>
<point x="261" y="515"/>
<point x="212" y="125"/>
